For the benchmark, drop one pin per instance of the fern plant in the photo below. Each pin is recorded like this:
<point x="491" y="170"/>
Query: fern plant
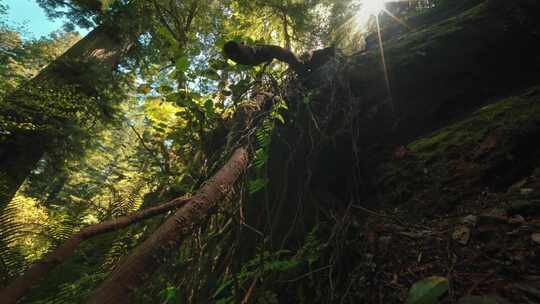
<point x="268" y="263"/>
<point x="24" y="235"/>
<point x="11" y="261"/>
<point x="264" y="138"/>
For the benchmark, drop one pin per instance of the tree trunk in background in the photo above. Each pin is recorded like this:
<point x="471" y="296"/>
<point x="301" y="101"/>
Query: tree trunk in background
<point x="97" y="53"/>
<point x="20" y="286"/>
<point x="169" y="236"/>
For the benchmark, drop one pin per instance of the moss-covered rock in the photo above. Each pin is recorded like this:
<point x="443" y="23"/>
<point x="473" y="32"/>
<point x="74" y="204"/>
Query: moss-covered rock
<point x="489" y="150"/>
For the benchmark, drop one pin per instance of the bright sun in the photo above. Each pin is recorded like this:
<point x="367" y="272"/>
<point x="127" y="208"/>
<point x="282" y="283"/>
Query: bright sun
<point x="372" y="7"/>
<point x="368" y="9"/>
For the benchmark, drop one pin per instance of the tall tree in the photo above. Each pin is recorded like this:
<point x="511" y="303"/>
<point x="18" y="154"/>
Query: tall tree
<point x="20" y="59"/>
<point x="45" y="111"/>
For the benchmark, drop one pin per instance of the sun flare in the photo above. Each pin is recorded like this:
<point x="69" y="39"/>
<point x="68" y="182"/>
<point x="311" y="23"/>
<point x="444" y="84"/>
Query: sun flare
<point x="367" y="10"/>
<point x="372" y="7"/>
<point x="370" y="10"/>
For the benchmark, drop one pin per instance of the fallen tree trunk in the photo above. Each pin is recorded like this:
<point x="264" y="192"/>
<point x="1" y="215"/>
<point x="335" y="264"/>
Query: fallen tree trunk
<point x="170" y="235"/>
<point x="195" y="209"/>
<point x="147" y="256"/>
<point x="21" y="285"/>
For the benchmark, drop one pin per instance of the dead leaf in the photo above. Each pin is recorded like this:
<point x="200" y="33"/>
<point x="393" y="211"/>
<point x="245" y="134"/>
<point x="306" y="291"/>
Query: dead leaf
<point x="401" y="152"/>
<point x="489" y="143"/>
<point x="536" y="238"/>
<point x="462" y="235"/>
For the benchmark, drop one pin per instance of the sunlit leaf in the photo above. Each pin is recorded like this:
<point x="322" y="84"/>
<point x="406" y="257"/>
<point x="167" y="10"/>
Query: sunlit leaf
<point x="279" y="117"/>
<point x="169" y="294"/>
<point x="257" y="185"/>
<point x="159" y="129"/>
<point x="261" y="157"/>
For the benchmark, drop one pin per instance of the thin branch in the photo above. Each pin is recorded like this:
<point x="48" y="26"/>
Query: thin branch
<point x="152" y="152"/>
<point x="20" y="286"/>
<point x="164" y="21"/>
<point x="307" y="274"/>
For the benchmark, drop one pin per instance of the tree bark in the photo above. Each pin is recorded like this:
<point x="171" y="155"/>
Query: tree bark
<point x="146" y="258"/>
<point x="262" y="53"/>
<point x="20" y="286"/>
<point x="20" y="150"/>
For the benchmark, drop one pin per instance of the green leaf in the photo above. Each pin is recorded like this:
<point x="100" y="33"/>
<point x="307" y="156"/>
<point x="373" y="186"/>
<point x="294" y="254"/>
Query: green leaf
<point x="209" y="106"/>
<point x="282" y="105"/>
<point x="182" y="64"/>
<point x="280" y="118"/>
<point x="257" y="185"/>
<point x="212" y="75"/>
<point x="222" y="287"/>
<point x="261" y="157"/>
<point x="167" y="36"/>
<point x="105" y="4"/>
<point x="165" y="89"/>
<point x="159" y="129"/>
<point x="169" y="294"/>
<point x="428" y="291"/>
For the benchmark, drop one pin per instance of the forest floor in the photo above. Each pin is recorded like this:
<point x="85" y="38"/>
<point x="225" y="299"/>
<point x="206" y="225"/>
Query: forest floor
<point x="462" y="203"/>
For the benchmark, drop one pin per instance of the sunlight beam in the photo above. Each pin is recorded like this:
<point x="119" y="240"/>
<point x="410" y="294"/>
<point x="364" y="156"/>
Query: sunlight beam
<point x="397" y="19"/>
<point x="383" y="61"/>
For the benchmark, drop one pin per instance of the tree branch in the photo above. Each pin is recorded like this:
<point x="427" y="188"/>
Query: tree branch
<point x="20" y="286"/>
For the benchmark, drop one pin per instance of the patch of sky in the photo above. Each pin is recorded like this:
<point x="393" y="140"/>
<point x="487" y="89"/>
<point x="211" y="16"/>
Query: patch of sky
<point x="31" y="18"/>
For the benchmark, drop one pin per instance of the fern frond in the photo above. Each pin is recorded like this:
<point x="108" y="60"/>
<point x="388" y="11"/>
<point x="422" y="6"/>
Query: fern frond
<point x="11" y="260"/>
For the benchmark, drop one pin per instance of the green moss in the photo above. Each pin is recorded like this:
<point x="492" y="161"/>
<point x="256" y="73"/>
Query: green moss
<point x="510" y="112"/>
<point x="419" y="39"/>
<point x="428" y="171"/>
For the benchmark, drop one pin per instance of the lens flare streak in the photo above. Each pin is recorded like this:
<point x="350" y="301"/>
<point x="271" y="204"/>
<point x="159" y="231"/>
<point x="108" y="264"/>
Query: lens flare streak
<point x="373" y="8"/>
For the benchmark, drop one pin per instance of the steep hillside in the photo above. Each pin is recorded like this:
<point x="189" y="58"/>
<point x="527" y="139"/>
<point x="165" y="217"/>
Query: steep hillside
<point x="435" y="174"/>
<point x="464" y="203"/>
